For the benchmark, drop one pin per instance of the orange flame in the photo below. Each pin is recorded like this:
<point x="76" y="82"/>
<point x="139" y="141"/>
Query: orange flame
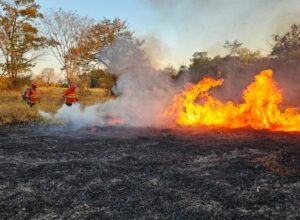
<point x="114" y="121"/>
<point x="260" y="109"/>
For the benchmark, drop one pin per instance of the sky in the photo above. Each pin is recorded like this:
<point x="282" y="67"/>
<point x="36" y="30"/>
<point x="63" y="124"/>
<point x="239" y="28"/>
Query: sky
<point x="176" y="29"/>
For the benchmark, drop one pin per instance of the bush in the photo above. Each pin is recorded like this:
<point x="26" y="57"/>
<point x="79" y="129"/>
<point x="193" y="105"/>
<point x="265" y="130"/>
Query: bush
<point x="96" y="79"/>
<point x="14" y="83"/>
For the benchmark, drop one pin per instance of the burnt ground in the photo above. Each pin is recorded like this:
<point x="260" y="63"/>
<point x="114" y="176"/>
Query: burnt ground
<point x="144" y="173"/>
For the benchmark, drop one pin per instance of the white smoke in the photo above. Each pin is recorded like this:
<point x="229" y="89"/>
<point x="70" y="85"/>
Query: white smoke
<point x="144" y="92"/>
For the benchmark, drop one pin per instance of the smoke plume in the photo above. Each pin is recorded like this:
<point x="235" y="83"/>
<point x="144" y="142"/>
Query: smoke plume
<point x="143" y="92"/>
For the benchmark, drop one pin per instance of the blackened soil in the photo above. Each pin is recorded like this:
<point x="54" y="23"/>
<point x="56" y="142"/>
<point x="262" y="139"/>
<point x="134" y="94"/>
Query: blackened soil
<point x="146" y="173"/>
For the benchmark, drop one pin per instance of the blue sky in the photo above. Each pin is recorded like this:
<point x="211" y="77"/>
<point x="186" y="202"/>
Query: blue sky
<point x="175" y="29"/>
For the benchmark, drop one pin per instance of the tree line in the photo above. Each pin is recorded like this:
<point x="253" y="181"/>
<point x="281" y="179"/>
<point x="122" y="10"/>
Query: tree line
<point x="75" y="41"/>
<point x="83" y="47"/>
<point x="284" y="55"/>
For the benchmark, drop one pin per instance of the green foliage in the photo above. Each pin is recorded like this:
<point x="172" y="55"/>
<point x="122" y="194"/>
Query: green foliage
<point x="107" y="81"/>
<point x="242" y="54"/>
<point x="98" y="79"/>
<point x="202" y="65"/>
<point x="287" y="46"/>
<point x="247" y="56"/>
<point x="238" y="59"/>
<point x="200" y="61"/>
<point x="233" y="47"/>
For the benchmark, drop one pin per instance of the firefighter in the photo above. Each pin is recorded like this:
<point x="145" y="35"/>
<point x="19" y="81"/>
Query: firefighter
<point x="70" y="95"/>
<point x="31" y="95"/>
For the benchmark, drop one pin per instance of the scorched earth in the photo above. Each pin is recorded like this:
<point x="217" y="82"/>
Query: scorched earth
<point x="50" y="172"/>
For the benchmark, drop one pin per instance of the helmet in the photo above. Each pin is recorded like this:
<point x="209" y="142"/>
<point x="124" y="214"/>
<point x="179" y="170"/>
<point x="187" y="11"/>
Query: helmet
<point x="73" y="86"/>
<point x="34" y="84"/>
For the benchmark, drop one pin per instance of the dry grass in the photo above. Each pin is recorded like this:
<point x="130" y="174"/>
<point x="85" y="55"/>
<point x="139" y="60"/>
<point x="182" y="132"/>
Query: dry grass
<point x="14" y="110"/>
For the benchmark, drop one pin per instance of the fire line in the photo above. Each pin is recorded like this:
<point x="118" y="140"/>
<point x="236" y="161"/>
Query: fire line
<point x="260" y="109"/>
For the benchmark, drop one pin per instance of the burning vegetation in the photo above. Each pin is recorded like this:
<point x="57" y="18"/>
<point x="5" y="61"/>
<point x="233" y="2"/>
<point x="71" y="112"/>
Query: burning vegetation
<point x="261" y="108"/>
<point x="117" y="155"/>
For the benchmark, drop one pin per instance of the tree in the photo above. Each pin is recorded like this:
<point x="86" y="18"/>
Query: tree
<point x="122" y="55"/>
<point x="99" y="37"/>
<point x="182" y="70"/>
<point x="202" y="65"/>
<point x="233" y="47"/>
<point x="241" y="54"/>
<point x="288" y="45"/>
<point x="64" y="29"/>
<point x="19" y="36"/>
<point x="200" y="58"/>
<point x="46" y="76"/>
<point x="247" y="56"/>
<point x="170" y="70"/>
<point x="101" y="79"/>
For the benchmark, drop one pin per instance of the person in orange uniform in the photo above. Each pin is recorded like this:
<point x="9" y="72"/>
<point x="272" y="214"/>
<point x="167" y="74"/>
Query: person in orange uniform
<point x="70" y="95"/>
<point x="31" y="95"/>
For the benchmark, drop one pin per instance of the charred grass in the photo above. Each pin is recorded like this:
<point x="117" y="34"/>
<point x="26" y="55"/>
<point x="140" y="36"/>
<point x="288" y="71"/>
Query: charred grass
<point x="126" y="173"/>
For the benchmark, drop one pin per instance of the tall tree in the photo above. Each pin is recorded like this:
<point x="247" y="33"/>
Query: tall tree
<point x="65" y="29"/>
<point x="99" y="37"/>
<point x="19" y="36"/>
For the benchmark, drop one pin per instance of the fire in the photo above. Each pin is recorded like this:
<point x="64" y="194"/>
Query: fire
<point x="260" y="109"/>
<point x="114" y="120"/>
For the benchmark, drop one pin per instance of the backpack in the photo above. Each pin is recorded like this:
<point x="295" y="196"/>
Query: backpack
<point x="24" y="93"/>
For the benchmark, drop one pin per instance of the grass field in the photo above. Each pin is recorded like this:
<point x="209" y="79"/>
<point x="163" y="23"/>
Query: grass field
<point x="14" y="110"/>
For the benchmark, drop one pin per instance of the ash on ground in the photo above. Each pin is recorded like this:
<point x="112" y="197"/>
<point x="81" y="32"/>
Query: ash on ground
<point x="147" y="173"/>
